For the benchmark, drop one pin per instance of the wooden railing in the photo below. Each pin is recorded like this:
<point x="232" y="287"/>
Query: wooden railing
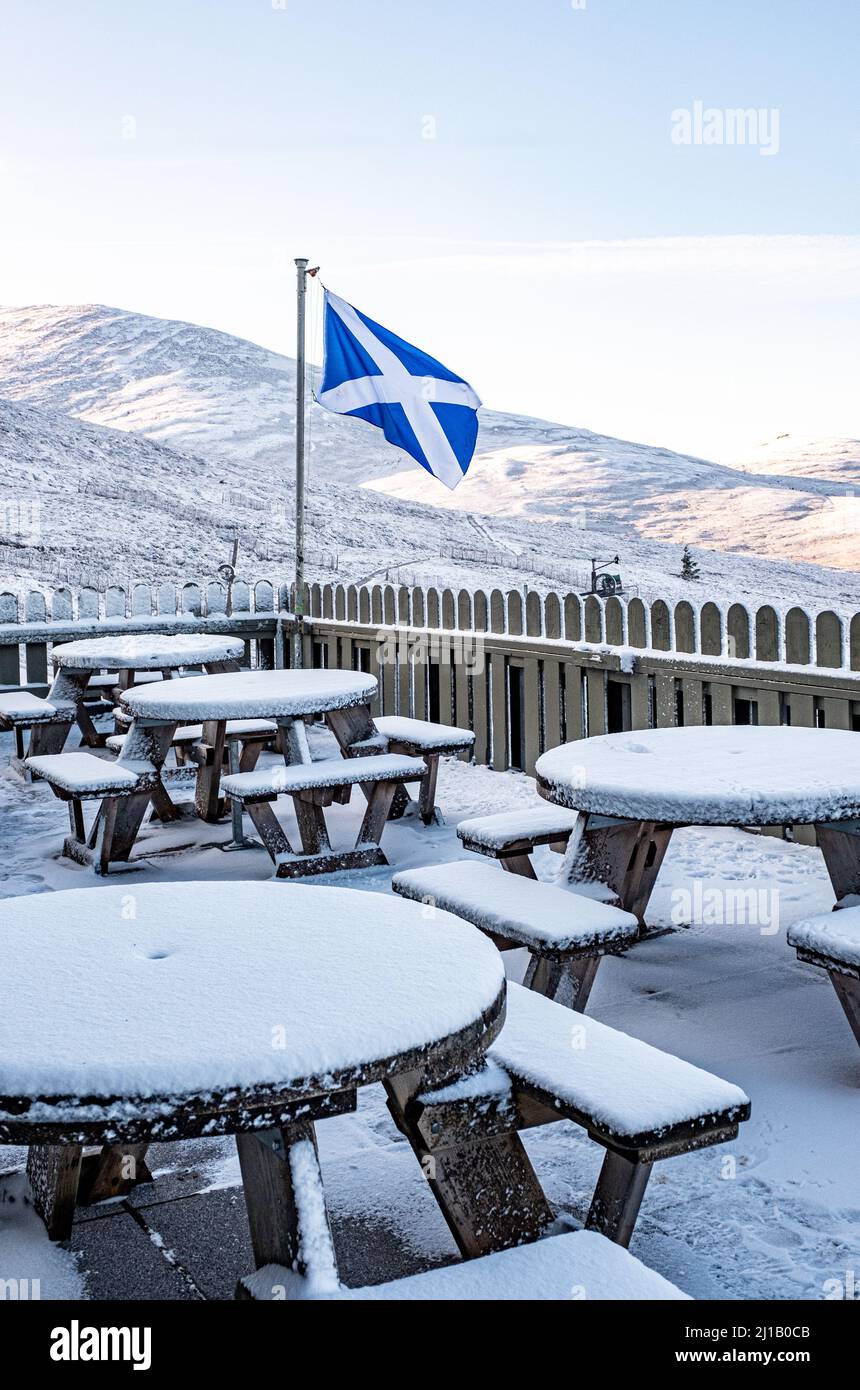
<point x="525" y="672"/>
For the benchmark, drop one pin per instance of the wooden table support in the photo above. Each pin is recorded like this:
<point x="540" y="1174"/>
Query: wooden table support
<point x="626" y="855"/>
<point x="839" y="842"/>
<point x="487" y="1191"/>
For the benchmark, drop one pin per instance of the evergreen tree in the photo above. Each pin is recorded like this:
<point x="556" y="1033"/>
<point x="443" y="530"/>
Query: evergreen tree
<point x="689" y="569"/>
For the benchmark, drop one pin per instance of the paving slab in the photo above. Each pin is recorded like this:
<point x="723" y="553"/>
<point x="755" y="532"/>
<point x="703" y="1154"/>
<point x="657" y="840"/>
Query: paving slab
<point x="120" y="1261"/>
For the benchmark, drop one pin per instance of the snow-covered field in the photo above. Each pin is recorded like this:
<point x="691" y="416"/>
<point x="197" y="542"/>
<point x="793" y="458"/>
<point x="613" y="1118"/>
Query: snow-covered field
<point x="147" y="443"/>
<point x="773" y="1215"/>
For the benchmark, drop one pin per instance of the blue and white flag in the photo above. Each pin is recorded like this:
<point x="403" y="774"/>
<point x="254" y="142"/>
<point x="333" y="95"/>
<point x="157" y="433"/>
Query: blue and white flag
<point x="417" y="403"/>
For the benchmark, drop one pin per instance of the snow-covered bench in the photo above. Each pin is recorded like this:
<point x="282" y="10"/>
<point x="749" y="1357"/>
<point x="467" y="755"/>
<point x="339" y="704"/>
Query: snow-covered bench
<point x="639" y="1103"/>
<point x="79" y="776"/>
<point x="314" y="786"/>
<point x="511" y="836"/>
<point x="578" y="1264"/>
<point x="832" y="941"/>
<point x="20" y="710"/>
<point x="244" y="731"/>
<point x="419" y="738"/>
<point x="566" y="932"/>
<point x="85" y="776"/>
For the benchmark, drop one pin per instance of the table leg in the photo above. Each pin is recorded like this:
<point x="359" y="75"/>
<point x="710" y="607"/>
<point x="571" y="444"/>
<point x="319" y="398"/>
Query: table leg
<point x="90" y="735"/>
<point x="217" y="668"/>
<point x="487" y="1190"/>
<point x="353" y="728"/>
<point x="113" y="1172"/>
<point x="624" y="854"/>
<point x="119" y="819"/>
<point x="427" y="793"/>
<point x="67" y="688"/>
<point x="208" y="793"/>
<point x="286" y="1205"/>
<point x="618" y="1197"/>
<point x="567" y="981"/>
<point x="848" y="993"/>
<point x="53" y="1171"/>
<point x="839" y="842"/>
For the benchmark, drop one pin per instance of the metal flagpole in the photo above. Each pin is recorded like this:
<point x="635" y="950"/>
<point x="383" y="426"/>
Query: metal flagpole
<point x="299" y="602"/>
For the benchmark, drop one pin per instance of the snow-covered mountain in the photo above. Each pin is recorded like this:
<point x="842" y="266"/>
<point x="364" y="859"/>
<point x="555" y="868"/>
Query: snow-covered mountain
<point x="147" y="442"/>
<point x="663" y="495"/>
<point x="792" y="455"/>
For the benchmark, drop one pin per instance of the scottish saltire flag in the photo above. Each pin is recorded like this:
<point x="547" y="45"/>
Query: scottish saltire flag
<point x="417" y="403"/>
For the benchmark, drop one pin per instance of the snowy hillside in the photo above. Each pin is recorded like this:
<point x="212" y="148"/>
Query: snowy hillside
<point x="184" y="435"/>
<point x="794" y="455"/>
<point x="662" y="495"/>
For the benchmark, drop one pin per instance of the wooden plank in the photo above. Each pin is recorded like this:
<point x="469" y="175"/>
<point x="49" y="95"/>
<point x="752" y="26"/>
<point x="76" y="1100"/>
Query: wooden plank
<point x="596" y="687"/>
<point x="839" y="843"/>
<point x="848" y="994"/>
<point x="487" y="1191"/>
<point x="618" y="1197"/>
<point x="665" y="709"/>
<point x="551" y="705"/>
<point x="573" y="703"/>
<point x="461" y="701"/>
<point x="10" y="664"/>
<point x="36" y="663"/>
<point x="627" y="855"/>
<point x="837" y="713"/>
<point x="692" y="691"/>
<point x="53" y="1172"/>
<point x="802" y="708"/>
<point x="640" y="701"/>
<point x="480" y="716"/>
<point x="419" y="685"/>
<point x="722" y="703"/>
<point x="285" y="1200"/>
<point x="116" y="1170"/>
<point x="499" y="711"/>
<point x="770" y="707"/>
<point x="531" y="712"/>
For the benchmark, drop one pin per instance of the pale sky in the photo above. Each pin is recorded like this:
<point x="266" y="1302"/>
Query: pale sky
<point x="496" y="181"/>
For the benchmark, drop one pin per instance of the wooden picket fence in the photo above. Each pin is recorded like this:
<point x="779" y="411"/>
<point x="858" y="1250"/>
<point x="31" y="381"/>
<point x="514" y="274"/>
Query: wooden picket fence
<point x="526" y="672"/>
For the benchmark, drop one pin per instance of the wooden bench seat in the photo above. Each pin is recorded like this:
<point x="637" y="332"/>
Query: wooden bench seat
<point x="420" y="738"/>
<point x="314" y="786"/>
<point x="331" y="775"/>
<point x="558" y="1268"/>
<point x="639" y="1103"/>
<point x="511" y="836"/>
<point x="88" y="777"/>
<point x="566" y="932"/>
<point x="20" y="710"/>
<point x="832" y="941"/>
<point x="241" y="730"/>
<point x="79" y="777"/>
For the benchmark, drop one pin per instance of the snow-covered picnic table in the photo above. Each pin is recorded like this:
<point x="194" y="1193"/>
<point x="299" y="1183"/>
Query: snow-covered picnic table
<point x="253" y="1009"/>
<point x="148" y="652"/>
<point x="216" y="707"/>
<point x="633" y="789"/>
<point x="76" y="667"/>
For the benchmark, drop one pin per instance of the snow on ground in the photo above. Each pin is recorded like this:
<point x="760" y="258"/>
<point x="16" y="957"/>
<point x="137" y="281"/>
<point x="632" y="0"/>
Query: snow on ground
<point x="773" y="1215"/>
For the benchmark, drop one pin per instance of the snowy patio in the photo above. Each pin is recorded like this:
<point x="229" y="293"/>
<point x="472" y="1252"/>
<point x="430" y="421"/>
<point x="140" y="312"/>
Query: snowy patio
<point x="771" y="1215"/>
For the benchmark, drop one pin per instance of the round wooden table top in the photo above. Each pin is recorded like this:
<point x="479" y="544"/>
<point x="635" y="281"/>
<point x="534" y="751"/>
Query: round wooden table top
<point x="163" y="1010"/>
<point x="710" y="775"/>
<point x="251" y="695"/>
<point x="147" y="651"/>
